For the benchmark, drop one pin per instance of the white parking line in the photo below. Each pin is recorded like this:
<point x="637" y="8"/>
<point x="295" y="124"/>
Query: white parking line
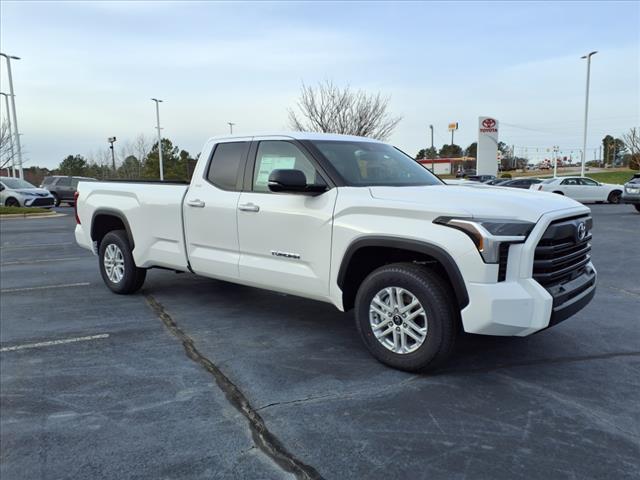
<point x="44" y="260"/>
<point x="44" y="287"/>
<point x="17" y="247"/>
<point x="54" y="342"/>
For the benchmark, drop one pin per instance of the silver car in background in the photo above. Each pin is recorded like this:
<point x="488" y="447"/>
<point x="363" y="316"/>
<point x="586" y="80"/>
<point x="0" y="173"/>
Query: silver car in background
<point x="631" y="193"/>
<point x="15" y="192"/>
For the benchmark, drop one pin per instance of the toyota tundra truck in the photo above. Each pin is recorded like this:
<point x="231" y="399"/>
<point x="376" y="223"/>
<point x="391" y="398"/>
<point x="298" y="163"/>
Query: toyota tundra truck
<point x="357" y="223"/>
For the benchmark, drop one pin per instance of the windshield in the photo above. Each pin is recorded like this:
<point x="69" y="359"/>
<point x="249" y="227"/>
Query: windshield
<point x="15" y="183"/>
<point x="369" y="164"/>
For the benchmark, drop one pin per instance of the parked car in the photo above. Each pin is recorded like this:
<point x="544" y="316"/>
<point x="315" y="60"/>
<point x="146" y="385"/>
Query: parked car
<point x="481" y="178"/>
<point x="466" y="173"/>
<point x="356" y="223"/>
<point x="497" y="181"/>
<point x="63" y="187"/>
<point x="521" y="182"/>
<point x="631" y="193"/>
<point x="583" y="189"/>
<point x="15" y="192"/>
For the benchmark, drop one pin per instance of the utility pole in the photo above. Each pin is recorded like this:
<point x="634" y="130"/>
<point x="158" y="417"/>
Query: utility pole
<point x="433" y="159"/>
<point x="11" y="151"/>
<point x="158" y="102"/>
<point x="13" y="105"/>
<point x="111" y="141"/>
<point x="586" y="111"/>
<point x="555" y="160"/>
<point x="231" y="124"/>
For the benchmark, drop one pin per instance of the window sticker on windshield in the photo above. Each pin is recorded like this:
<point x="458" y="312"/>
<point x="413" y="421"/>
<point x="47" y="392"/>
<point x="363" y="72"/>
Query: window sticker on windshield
<point x="268" y="163"/>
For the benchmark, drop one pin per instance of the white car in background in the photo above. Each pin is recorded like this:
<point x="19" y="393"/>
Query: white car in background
<point x="582" y="189"/>
<point x="15" y="192"/>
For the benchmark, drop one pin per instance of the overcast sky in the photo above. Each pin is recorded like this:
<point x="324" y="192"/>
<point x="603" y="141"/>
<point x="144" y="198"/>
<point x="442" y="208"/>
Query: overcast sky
<point x="88" y="70"/>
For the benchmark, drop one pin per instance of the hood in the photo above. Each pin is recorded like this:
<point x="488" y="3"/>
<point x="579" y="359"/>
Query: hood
<point x="479" y="200"/>
<point x="41" y="192"/>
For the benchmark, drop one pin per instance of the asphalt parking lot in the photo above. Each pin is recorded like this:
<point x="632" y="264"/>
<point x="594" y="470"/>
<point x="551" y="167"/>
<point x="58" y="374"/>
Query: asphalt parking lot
<point x="195" y="378"/>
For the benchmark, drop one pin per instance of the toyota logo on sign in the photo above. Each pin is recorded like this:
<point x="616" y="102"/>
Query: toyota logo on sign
<point x="488" y="123"/>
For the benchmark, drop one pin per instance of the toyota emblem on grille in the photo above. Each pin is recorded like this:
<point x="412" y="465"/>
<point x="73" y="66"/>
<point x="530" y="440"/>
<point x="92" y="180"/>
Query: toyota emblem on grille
<point x="582" y="231"/>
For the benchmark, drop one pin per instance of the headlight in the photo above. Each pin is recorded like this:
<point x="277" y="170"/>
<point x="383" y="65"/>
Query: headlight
<point x="488" y="234"/>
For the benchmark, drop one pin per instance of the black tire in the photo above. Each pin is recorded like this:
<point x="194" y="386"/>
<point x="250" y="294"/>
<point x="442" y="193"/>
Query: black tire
<point x="133" y="277"/>
<point x="11" y="202"/>
<point x="443" y="317"/>
<point x="637" y="205"/>
<point x="559" y="193"/>
<point x="614" y="197"/>
<point x="56" y="199"/>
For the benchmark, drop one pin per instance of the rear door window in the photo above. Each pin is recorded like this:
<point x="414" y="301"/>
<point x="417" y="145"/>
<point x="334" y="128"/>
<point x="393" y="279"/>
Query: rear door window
<point x="225" y="164"/>
<point x="63" y="182"/>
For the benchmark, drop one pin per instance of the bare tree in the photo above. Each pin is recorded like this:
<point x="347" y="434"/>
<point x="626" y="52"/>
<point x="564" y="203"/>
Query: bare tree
<point x="632" y="141"/>
<point x="141" y="147"/>
<point x="329" y="108"/>
<point x="7" y="150"/>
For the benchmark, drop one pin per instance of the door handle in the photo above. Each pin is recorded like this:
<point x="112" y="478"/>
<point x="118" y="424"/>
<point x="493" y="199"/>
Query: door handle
<point x="195" y="203"/>
<point x="249" y="207"/>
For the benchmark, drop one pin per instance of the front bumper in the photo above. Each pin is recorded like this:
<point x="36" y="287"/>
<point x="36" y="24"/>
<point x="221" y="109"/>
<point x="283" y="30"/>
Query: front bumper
<point x="42" y="202"/>
<point x="520" y="305"/>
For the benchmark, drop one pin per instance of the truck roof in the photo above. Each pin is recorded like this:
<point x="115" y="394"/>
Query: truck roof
<point x="299" y="136"/>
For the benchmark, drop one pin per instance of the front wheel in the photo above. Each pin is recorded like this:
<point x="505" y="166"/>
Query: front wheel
<point x="11" y="202"/>
<point x="614" y="197"/>
<point x="406" y="316"/>
<point x="56" y="199"/>
<point x="117" y="267"/>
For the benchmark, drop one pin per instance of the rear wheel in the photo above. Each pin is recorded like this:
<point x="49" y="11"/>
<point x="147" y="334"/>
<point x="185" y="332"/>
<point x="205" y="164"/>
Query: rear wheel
<point x="56" y="199"/>
<point x="119" y="271"/>
<point x="614" y="197"/>
<point x="406" y="316"/>
<point x="11" y="202"/>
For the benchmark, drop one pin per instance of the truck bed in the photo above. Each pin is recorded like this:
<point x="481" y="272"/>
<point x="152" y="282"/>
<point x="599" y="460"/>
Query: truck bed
<point x="153" y="213"/>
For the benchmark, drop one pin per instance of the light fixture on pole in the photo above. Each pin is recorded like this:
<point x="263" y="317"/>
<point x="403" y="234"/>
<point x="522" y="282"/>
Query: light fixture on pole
<point x="13" y="106"/>
<point x="231" y="124"/>
<point x="11" y="151"/>
<point x="586" y="111"/>
<point x="111" y="141"/>
<point x="159" y="135"/>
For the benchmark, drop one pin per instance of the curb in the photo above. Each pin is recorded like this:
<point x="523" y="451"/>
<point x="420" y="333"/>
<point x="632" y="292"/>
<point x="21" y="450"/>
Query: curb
<point x="10" y="216"/>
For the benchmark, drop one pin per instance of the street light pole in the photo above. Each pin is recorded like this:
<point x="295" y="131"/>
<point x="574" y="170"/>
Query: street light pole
<point x="13" y="106"/>
<point x="231" y="124"/>
<point x="11" y="152"/>
<point x="586" y="111"/>
<point x="433" y="161"/>
<point x="159" y="136"/>
<point x="111" y="140"/>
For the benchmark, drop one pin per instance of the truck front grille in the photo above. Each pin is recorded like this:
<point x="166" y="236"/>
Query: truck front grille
<point x="563" y="251"/>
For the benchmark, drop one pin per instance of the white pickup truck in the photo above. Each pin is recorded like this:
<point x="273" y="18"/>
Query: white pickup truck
<point x="356" y="223"/>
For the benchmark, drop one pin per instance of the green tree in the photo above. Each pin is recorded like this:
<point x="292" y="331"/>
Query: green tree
<point x="131" y="168"/>
<point x="471" y="150"/>
<point x="73" y="165"/>
<point x="430" y="152"/>
<point x="450" y="151"/>
<point x="175" y="162"/>
<point x="612" y="149"/>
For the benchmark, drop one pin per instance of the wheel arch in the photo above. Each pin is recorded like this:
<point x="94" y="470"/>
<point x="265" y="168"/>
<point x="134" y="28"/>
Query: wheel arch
<point x="105" y="220"/>
<point x="12" y="198"/>
<point x="368" y="253"/>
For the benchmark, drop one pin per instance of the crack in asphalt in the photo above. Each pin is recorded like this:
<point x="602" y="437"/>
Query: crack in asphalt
<point x="266" y="441"/>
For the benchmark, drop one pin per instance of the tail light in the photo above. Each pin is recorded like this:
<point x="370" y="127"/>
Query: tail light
<point x="75" y="206"/>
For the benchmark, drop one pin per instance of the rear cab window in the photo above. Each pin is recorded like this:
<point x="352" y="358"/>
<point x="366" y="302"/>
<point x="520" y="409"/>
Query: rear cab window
<point x="226" y="163"/>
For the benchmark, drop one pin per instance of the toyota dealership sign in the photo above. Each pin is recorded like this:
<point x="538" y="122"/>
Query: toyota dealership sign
<point x="487" y="146"/>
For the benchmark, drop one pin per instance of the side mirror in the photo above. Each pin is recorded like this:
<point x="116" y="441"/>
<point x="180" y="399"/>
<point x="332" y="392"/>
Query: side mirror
<point x="294" y="181"/>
